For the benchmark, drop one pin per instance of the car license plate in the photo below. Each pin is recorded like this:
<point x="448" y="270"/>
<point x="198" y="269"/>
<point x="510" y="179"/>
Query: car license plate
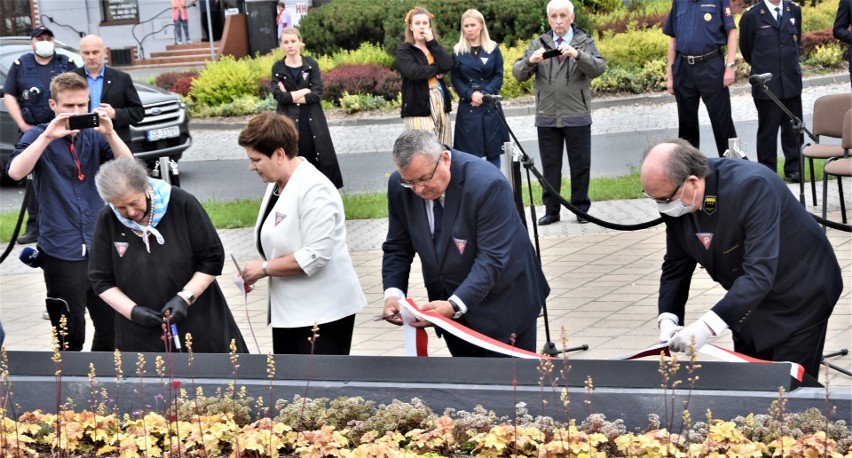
<point x="159" y="134"/>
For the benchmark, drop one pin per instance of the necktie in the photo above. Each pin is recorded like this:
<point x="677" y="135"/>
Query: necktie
<point x="437" y="217"/>
<point x="558" y="43"/>
<point x="778" y="15"/>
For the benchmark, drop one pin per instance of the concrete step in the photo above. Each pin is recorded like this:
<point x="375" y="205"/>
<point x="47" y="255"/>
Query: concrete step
<point x="196" y="59"/>
<point x="155" y="64"/>
<point x="194" y="45"/>
<point x="183" y="52"/>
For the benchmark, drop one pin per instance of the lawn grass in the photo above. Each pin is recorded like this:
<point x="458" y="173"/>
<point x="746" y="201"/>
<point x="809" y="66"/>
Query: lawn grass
<point x="243" y="212"/>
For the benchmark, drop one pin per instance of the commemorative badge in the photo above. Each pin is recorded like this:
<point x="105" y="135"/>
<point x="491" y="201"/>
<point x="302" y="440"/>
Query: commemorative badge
<point x="279" y="217"/>
<point x="460" y="244"/>
<point x="708" y="16"/>
<point x="121" y="248"/>
<point x="728" y="11"/>
<point x="705" y="238"/>
<point x="484" y="60"/>
<point x="709" y="204"/>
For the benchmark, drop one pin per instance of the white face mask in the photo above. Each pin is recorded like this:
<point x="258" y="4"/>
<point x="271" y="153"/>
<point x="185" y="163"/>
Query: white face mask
<point x="44" y="48"/>
<point x="676" y="208"/>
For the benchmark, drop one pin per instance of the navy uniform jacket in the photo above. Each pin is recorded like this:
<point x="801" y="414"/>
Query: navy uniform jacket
<point x="119" y="91"/>
<point x="699" y="27"/>
<point x="773" y="48"/>
<point x="487" y="259"/>
<point x="842" y="21"/>
<point x="479" y="130"/>
<point x="756" y="240"/>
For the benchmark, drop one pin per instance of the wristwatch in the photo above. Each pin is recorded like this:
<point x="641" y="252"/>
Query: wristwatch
<point x="184" y="293"/>
<point x="733" y="65"/>
<point x="263" y="267"/>
<point x="458" y="311"/>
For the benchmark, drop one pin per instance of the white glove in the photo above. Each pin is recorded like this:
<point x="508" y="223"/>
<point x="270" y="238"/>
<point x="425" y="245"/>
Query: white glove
<point x="668" y="328"/>
<point x="699" y="330"/>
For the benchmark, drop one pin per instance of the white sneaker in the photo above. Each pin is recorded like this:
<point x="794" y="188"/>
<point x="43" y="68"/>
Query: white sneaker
<point x="179" y="42"/>
<point x="45" y="316"/>
<point x="189" y="42"/>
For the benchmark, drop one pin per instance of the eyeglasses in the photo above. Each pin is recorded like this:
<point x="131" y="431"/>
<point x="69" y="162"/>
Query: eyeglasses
<point x="425" y="179"/>
<point x="666" y="200"/>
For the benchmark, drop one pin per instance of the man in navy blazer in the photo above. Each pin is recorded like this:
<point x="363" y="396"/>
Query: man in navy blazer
<point x="743" y="225"/>
<point x="111" y="90"/>
<point x="478" y="264"/>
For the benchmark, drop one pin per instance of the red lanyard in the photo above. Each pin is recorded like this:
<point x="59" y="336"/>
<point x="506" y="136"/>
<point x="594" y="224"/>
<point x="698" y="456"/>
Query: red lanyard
<point x="80" y="175"/>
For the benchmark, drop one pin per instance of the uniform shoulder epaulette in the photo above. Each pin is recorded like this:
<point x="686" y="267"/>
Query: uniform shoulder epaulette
<point x="17" y="61"/>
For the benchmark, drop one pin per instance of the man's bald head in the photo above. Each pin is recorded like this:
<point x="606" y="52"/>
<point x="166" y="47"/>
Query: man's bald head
<point x="669" y="164"/>
<point x="93" y="52"/>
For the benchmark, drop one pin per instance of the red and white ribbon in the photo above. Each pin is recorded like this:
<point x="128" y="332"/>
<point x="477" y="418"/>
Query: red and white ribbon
<point x="416" y="339"/>
<point x="796" y="370"/>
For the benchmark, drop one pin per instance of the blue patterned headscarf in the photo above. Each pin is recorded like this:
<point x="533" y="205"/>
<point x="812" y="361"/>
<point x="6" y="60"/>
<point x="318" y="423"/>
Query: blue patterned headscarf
<point x="159" y="191"/>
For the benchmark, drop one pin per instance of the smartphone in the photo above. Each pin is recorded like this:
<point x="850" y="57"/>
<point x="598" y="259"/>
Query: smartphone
<point x="83" y="121"/>
<point x="551" y="53"/>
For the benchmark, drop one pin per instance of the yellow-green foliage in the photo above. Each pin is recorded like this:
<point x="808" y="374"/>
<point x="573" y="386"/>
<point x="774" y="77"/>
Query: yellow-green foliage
<point x="511" y="86"/>
<point x="223" y="80"/>
<point x="367" y="53"/>
<point x="600" y="22"/>
<point x="633" y="49"/>
<point x="818" y="17"/>
<point x="828" y="56"/>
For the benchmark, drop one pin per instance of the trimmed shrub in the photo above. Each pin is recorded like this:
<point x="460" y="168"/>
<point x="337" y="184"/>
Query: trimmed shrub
<point x="812" y="40"/>
<point x="337" y="26"/>
<point x="511" y="86"/>
<point x="361" y="79"/>
<point x="178" y="82"/>
<point x="634" y="49"/>
<point x="819" y="16"/>
<point x="361" y="102"/>
<point x="223" y="81"/>
<point x="826" y="57"/>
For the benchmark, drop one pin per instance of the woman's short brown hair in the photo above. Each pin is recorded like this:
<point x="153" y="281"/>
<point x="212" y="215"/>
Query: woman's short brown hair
<point x="268" y="131"/>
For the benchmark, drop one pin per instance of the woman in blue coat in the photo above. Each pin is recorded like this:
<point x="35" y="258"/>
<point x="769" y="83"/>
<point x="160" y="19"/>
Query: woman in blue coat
<point x="478" y="71"/>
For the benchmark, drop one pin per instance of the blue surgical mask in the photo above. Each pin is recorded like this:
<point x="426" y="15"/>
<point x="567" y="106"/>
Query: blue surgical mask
<point x="676" y="208"/>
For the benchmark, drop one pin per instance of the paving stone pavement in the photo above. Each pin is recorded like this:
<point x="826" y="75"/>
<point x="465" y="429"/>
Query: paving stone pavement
<point x="604" y="282"/>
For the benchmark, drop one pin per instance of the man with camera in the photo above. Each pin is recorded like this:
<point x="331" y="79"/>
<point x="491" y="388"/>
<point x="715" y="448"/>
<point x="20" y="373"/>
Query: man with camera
<point x="64" y="155"/>
<point x="26" y="92"/>
<point x="564" y="61"/>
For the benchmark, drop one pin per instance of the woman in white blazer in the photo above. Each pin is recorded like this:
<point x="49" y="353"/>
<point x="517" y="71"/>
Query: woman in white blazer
<point x="301" y="237"/>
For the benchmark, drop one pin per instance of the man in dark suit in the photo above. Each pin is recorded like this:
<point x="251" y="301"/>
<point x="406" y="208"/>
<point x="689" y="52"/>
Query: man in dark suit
<point x="747" y="230"/>
<point x="457" y="213"/>
<point x="111" y="90"/>
<point x="770" y="35"/>
<point x="841" y="28"/>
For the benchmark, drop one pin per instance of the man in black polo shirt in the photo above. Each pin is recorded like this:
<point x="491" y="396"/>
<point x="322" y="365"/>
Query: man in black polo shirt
<point x="698" y="67"/>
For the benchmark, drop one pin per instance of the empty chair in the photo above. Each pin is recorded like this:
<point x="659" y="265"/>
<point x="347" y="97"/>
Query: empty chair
<point x="828" y="122"/>
<point x="839" y="167"/>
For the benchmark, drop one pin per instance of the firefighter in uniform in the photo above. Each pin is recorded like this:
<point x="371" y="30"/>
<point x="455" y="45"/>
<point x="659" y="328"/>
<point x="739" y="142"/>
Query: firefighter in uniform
<point x="26" y="92"/>
<point x="698" y="67"/>
<point x="770" y="33"/>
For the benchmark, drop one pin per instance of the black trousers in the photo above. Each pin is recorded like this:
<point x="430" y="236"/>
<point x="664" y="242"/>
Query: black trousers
<point x="524" y="340"/>
<point x="769" y="119"/>
<point x="804" y="347"/>
<point x="578" y="144"/>
<point x="703" y="81"/>
<point x="335" y="338"/>
<point x="70" y="293"/>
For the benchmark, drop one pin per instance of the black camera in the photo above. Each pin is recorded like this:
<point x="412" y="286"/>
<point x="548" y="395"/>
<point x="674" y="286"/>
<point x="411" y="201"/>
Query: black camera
<point x="551" y="53"/>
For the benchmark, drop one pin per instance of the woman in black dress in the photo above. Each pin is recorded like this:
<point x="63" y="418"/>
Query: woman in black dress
<point x="155" y="250"/>
<point x="297" y="86"/>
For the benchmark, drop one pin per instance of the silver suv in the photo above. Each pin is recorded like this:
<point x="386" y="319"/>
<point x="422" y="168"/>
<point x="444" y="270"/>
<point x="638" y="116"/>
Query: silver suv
<point x="163" y="132"/>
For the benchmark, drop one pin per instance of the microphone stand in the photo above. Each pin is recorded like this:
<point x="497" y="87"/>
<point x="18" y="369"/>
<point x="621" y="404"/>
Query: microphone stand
<point x="522" y="157"/>
<point x="841" y="352"/>
<point x="798" y="129"/>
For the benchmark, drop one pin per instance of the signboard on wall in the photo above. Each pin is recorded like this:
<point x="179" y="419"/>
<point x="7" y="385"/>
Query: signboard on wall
<point x="120" y="10"/>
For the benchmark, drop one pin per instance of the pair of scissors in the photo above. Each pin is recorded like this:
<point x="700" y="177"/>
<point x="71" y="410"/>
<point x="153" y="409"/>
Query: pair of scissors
<point x="248" y="287"/>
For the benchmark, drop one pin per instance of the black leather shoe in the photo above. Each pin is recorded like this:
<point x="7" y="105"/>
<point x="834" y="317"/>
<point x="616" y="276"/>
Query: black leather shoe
<point x="548" y="219"/>
<point x="581" y="220"/>
<point x="793" y="177"/>
<point x="27" y="238"/>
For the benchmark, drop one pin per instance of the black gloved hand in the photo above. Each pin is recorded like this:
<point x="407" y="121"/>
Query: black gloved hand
<point x="144" y="316"/>
<point x="178" y="308"/>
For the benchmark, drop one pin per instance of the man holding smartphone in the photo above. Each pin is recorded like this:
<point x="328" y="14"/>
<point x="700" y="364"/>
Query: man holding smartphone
<point x="563" y="103"/>
<point x="64" y="163"/>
